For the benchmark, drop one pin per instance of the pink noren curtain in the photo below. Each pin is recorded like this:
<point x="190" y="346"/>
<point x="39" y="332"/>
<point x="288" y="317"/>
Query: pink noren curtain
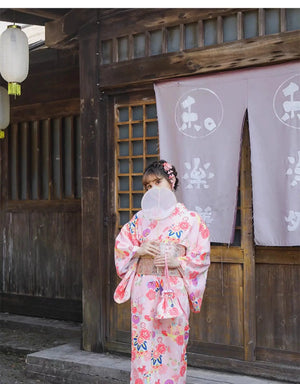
<point x="200" y="126"/>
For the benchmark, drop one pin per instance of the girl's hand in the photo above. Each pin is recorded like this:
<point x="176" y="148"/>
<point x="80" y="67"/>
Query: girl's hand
<point x="148" y="248"/>
<point x="172" y="261"/>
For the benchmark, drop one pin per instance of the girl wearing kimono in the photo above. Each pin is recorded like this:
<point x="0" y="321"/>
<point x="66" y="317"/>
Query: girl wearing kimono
<point x="159" y="322"/>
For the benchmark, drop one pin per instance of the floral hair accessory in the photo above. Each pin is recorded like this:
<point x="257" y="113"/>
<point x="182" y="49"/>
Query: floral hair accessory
<point x="168" y="169"/>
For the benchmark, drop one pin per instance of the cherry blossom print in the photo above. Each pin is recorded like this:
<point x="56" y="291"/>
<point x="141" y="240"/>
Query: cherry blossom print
<point x="184" y="225"/>
<point x="158" y="348"/>
<point x="151" y="295"/>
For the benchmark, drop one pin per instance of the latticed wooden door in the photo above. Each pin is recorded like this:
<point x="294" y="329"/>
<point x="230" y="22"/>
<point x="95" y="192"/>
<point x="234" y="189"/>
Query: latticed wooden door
<point x="225" y="324"/>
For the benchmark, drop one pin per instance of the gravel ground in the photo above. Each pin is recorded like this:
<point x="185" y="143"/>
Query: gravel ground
<point x="12" y="369"/>
<point x="24" y="341"/>
<point x="19" y="339"/>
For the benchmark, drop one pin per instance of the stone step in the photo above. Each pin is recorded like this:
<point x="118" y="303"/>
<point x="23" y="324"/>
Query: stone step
<point x="54" y="356"/>
<point x="68" y="364"/>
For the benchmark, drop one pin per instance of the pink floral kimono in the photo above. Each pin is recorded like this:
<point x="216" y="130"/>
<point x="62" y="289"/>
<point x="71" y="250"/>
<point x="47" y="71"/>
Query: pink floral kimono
<point x="158" y="347"/>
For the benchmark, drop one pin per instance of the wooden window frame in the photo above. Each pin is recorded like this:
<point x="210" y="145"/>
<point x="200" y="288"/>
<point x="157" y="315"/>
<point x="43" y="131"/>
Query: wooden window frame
<point x="144" y="156"/>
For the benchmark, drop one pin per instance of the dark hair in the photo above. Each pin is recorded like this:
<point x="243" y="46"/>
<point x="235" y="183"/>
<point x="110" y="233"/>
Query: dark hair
<point x="158" y="168"/>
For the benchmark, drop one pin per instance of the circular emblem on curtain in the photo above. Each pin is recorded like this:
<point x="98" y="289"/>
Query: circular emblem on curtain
<point x="286" y="102"/>
<point x="198" y="113"/>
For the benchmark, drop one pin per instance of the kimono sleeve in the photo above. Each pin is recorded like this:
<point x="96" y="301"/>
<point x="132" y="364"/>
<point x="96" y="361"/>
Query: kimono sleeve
<point x="126" y="245"/>
<point x="196" y="261"/>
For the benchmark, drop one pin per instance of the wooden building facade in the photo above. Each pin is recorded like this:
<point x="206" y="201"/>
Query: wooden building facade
<point x="80" y="136"/>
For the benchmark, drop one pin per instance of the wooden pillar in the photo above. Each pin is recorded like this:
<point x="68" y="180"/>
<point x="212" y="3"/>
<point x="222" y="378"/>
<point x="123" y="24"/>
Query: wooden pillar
<point x="3" y="199"/>
<point x="94" y="163"/>
<point x="4" y="169"/>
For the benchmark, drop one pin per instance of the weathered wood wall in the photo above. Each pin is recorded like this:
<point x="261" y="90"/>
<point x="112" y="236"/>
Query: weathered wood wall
<point x="41" y="238"/>
<point x="251" y="311"/>
<point x="250" y="315"/>
<point x="278" y="307"/>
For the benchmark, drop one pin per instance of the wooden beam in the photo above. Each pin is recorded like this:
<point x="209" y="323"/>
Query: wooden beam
<point x="39" y="111"/>
<point x="38" y="306"/>
<point x="59" y="31"/>
<point x="55" y="37"/>
<point x="277" y="255"/>
<point x="14" y="16"/>
<point x="233" y="255"/>
<point x="41" y="12"/>
<point x="267" y="50"/>
<point x="63" y="205"/>
<point x="137" y="20"/>
<point x="62" y="33"/>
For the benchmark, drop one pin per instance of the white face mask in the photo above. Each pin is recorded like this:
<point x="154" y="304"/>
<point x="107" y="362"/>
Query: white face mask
<point x="158" y="203"/>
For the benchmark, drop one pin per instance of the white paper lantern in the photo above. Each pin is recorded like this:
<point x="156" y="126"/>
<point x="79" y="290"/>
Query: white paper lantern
<point x="14" y="58"/>
<point x="4" y="111"/>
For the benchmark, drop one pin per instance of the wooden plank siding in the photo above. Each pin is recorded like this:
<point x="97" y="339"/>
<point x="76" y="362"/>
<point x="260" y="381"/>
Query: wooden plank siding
<point x="248" y="322"/>
<point x="40" y="229"/>
<point x="58" y="250"/>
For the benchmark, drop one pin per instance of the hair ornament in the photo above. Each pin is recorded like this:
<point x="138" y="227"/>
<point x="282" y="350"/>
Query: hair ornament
<point x="168" y="169"/>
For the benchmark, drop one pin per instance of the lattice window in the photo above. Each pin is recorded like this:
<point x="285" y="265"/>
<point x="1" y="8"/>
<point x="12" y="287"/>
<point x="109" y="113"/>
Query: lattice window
<point x="137" y="147"/>
<point x="45" y="159"/>
<point x="202" y="33"/>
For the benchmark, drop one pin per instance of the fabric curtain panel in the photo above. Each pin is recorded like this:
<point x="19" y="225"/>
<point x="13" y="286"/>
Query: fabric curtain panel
<point x="200" y="125"/>
<point x="200" y="129"/>
<point x="274" y="120"/>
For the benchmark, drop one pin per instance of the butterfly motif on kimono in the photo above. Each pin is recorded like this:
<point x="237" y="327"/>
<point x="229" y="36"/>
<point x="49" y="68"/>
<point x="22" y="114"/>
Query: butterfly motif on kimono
<point x="159" y="286"/>
<point x="175" y="234"/>
<point x="138" y="346"/>
<point x="156" y="361"/>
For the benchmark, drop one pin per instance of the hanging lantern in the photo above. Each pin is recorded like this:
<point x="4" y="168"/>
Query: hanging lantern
<point x="4" y="111"/>
<point x="14" y="58"/>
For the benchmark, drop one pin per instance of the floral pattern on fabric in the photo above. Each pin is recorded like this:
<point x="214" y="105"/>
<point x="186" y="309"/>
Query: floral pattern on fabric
<point x="158" y="350"/>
